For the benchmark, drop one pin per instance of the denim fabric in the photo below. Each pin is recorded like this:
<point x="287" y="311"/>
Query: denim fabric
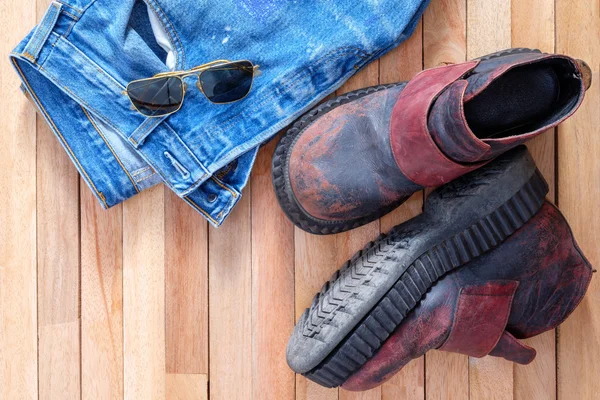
<point x="76" y="64"/>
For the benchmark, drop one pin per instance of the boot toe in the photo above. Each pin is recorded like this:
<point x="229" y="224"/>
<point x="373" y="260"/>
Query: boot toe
<point x="340" y="171"/>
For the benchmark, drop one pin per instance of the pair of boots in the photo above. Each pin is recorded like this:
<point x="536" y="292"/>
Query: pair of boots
<point x="489" y="261"/>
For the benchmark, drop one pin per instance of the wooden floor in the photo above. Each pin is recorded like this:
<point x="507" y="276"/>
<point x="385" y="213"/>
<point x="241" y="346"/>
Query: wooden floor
<point x="145" y="301"/>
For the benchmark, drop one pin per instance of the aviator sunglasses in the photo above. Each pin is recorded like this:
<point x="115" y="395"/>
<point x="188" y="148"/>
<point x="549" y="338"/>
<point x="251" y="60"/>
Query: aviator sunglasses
<point x="221" y="81"/>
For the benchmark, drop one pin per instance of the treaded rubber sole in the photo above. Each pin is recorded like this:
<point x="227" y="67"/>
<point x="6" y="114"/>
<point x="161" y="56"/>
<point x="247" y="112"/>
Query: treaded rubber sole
<point x="371" y="332"/>
<point x="281" y="180"/>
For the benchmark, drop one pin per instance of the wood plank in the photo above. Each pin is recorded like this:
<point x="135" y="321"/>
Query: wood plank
<point x="101" y="299"/>
<point x="272" y="286"/>
<point x="490" y="378"/>
<point x="18" y="277"/>
<point x="578" y="351"/>
<point x="348" y="243"/>
<point x="186" y="275"/>
<point x="58" y="268"/>
<point x="488" y="27"/>
<point x="58" y="231"/>
<point x="447" y="376"/>
<point x="533" y="27"/>
<point x="372" y="394"/>
<point x="489" y="30"/>
<point x="444" y="41"/>
<point x="400" y="65"/>
<point x="144" y="295"/>
<point x="58" y="264"/>
<point x="445" y="32"/>
<point x="59" y="364"/>
<point x="308" y="390"/>
<point x="187" y="387"/>
<point x="230" y="271"/>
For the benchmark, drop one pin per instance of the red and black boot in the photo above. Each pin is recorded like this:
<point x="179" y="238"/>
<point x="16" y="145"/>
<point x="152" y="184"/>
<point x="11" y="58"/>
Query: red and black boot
<point x="361" y="155"/>
<point x="488" y="262"/>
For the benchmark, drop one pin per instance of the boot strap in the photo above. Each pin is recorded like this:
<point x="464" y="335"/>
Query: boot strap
<point x="480" y="320"/>
<point x="415" y="151"/>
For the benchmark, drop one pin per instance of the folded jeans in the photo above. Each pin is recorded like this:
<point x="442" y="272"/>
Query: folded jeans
<point x="76" y="64"/>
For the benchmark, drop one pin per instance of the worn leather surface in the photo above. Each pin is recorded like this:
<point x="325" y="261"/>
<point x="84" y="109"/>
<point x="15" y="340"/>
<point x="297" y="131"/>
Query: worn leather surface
<point x="415" y="151"/>
<point x="552" y="276"/>
<point x="374" y="152"/>
<point x="480" y="317"/>
<point x="342" y="166"/>
<point x="510" y="348"/>
<point x="449" y="129"/>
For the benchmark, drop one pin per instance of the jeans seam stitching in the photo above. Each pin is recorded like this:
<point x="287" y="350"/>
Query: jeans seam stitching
<point x="117" y="84"/>
<point x="146" y="178"/>
<point x="149" y="160"/>
<point x="234" y="194"/>
<point x="100" y="194"/>
<point x="57" y="82"/>
<point x="141" y="171"/>
<point x="169" y="30"/>
<point x="70" y="6"/>
<point x="206" y="214"/>
<point x="40" y="40"/>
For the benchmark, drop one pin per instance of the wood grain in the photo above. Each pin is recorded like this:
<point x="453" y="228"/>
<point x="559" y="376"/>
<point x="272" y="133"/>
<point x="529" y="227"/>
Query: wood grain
<point x="230" y="271"/>
<point x="400" y="65"/>
<point x="187" y="387"/>
<point x="144" y="296"/>
<point x="58" y="250"/>
<point x="577" y="33"/>
<point x="101" y="299"/>
<point x="144" y="301"/>
<point x="272" y="286"/>
<point x="59" y="364"/>
<point x="444" y="41"/>
<point x="58" y="254"/>
<point x="488" y="27"/>
<point x="186" y="275"/>
<point x="490" y="378"/>
<point x="533" y="27"/>
<point x="58" y="267"/>
<point x="445" y="32"/>
<point x="488" y="31"/>
<point x="447" y="376"/>
<point x="18" y="276"/>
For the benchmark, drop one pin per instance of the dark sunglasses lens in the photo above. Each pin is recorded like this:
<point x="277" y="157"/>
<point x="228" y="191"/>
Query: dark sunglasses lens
<point x="156" y="97"/>
<point x="228" y="82"/>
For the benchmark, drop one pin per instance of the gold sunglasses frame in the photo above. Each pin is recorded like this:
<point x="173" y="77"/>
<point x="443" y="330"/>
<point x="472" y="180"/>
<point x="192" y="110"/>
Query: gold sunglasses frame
<point x="181" y="75"/>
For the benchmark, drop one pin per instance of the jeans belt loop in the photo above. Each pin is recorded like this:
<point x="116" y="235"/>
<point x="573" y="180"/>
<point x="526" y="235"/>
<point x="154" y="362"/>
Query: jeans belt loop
<point x="42" y="32"/>
<point x="141" y="133"/>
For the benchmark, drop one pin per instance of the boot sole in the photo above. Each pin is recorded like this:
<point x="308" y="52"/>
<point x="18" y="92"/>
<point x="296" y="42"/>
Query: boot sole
<point x="365" y="301"/>
<point x="281" y="158"/>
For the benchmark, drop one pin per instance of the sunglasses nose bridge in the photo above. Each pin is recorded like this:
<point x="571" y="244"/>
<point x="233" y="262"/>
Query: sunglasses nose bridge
<point x="198" y="82"/>
<point x="199" y="85"/>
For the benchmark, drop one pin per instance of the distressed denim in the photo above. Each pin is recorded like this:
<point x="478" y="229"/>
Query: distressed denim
<point x="77" y="62"/>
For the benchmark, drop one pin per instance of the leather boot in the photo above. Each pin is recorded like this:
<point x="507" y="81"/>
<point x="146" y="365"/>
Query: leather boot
<point x="359" y="156"/>
<point x="489" y="262"/>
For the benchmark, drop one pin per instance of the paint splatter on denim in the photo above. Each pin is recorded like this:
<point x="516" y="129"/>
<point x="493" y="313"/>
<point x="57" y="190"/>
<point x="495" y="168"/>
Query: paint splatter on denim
<point x="76" y="64"/>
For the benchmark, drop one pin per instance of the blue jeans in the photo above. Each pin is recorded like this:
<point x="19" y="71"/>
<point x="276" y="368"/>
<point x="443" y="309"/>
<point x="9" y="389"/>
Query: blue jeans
<point x="76" y="64"/>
